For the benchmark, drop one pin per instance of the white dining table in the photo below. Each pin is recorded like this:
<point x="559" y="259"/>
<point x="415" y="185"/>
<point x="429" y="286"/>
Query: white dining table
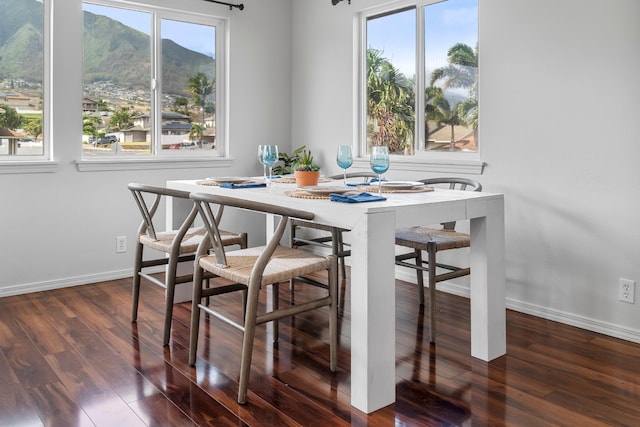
<point x="372" y="226"/>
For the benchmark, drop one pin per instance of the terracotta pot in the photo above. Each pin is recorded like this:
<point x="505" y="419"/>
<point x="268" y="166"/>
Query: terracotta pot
<point x="306" y="178"/>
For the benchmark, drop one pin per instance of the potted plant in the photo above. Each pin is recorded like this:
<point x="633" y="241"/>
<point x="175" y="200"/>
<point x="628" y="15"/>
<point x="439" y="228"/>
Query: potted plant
<point x="305" y="170"/>
<point x="287" y="162"/>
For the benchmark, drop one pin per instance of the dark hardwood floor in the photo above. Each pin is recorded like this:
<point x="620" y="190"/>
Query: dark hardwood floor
<point x="71" y="357"/>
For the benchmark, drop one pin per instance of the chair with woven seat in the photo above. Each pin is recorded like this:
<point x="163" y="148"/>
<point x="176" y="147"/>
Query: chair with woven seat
<point x="169" y="247"/>
<point x="334" y="239"/>
<point x="252" y="270"/>
<point x="434" y="240"/>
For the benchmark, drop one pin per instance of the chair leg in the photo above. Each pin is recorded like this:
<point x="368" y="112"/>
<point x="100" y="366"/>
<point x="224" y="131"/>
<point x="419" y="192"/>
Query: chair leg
<point x="170" y="281"/>
<point x="247" y="341"/>
<point x="420" y="275"/>
<point x="195" y="314"/>
<point x="432" y="294"/>
<point x="292" y="235"/>
<point x="333" y="316"/>
<point x="275" y="304"/>
<point x="343" y="268"/>
<point x="135" y="292"/>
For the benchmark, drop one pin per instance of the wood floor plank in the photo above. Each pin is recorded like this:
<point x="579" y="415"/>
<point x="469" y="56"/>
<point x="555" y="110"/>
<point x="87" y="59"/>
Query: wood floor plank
<point x="57" y="407"/>
<point x="72" y="357"/>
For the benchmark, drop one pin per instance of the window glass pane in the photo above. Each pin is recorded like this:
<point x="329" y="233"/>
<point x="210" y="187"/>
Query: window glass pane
<point x="21" y="79"/>
<point x="451" y="75"/>
<point x="391" y="64"/>
<point x="188" y="86"/>
<point x="117" y="117"/>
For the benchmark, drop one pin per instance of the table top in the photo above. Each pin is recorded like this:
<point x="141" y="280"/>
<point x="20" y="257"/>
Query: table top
<point x="411" y="208"/>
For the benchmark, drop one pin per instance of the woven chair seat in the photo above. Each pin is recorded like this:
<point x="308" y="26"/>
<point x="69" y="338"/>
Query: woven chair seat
<point x="190" y="242"/>
<point x="422" y="237"/>
<point x="433" y="240"/>
<point x="176" y="246"/>
<point x="251" y="271"/>
<point x="283" y="265"/>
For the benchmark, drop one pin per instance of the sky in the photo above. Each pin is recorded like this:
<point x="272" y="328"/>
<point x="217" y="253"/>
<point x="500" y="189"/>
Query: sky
<point x="446" y="23"/>
<point x="200" y="38"/>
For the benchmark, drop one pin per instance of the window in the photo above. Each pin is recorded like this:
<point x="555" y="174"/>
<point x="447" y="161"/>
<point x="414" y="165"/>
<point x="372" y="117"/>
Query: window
<point x="152" y="82"/>
<point x="431" y="49"/>
<point x="22" y="83"/>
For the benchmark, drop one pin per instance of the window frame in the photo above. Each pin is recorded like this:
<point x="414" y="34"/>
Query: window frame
<point x="43" y="162"/>
<point x="439" y="162"/>
<point x="165" y="158"/>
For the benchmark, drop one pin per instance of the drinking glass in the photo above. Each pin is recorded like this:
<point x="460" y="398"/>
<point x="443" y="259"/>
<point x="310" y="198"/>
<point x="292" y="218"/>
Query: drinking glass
<point x="264" y="165"/>
<point x="379" y="162"/>
<point x="344" y="159"/>
<point x="270" y="157"/>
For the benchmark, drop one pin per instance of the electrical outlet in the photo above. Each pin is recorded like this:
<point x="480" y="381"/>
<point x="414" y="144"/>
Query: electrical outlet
<point x="121" y="244"/>
<point x="627" y="291"/>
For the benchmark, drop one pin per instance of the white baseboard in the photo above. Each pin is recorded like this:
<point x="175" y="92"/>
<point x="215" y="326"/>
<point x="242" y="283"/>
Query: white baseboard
<point x="582" y="322"/>
<point x="64" y="283"/>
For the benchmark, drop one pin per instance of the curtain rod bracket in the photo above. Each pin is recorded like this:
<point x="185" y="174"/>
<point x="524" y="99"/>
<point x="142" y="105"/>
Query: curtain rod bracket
<point x="231" y="5"/>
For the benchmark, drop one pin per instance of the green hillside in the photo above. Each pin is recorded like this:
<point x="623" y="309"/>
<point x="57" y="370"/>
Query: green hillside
<point x="112" y="51"/>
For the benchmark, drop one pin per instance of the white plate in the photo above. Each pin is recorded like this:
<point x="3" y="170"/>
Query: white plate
<point x="323" y="190"/>
<point x="400" y="185"/>
<point x="229" y="179"/>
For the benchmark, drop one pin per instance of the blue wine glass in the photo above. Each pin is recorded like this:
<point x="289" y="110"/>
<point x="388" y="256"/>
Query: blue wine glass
<point x="344" y="159"/>
<point x="264" y="165"/>
<point x="270" y="157"/>
<point x="379" y="162"/>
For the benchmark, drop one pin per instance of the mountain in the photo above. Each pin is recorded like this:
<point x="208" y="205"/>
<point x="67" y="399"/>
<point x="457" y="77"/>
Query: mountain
<point x="112" y="51"/>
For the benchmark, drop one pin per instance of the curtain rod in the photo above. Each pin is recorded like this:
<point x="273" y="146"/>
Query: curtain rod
<point x="231" y="5"/>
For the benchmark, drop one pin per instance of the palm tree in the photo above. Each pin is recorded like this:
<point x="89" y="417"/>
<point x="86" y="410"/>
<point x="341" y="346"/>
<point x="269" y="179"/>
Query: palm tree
<point x="200" y="87"/>
<point x="462" y="72"/>
<point x="439" y="110"/>
<point x="196" y="131"/>
<point x="390" y="100"/>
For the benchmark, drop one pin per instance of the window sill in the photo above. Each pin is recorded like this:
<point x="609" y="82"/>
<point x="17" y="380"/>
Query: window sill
<point x="438" y="165"/>
<point x="29" y="166"/>
<point x="120" y="164"/>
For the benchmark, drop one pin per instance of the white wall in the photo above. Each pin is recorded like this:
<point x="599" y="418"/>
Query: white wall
<point x="559" y="91"/>
<point x="59" y="229"/>
<point x="559" y="106"/>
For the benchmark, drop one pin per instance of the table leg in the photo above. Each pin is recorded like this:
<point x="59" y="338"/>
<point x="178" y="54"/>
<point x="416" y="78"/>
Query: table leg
<point x="373" y="312"/>
<point x="488" y="316"/>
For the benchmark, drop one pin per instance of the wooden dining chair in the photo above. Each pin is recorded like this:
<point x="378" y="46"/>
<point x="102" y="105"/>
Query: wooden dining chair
<point x="168" y="248"/>
<point x="330" y="237"/>
<point x="252" y="270"/>
<point x="434" y="240"/>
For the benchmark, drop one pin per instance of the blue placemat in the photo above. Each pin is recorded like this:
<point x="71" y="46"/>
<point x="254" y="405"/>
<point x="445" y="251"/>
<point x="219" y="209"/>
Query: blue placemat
<point x="356" y="198"/>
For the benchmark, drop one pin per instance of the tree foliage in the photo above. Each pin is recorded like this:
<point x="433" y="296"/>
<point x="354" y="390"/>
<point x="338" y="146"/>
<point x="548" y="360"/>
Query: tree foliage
<point x="34" y="127"/>
<point x="121" y="119"/>
<point x="391" y="97"/>
<point x="390" y="103"/>
<point x="200" y="87"/>
<point x="461" y="72"/>
<point x="10" y="119"/>
<point x="90" y="125"/>
<point x="196" y="131"/>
